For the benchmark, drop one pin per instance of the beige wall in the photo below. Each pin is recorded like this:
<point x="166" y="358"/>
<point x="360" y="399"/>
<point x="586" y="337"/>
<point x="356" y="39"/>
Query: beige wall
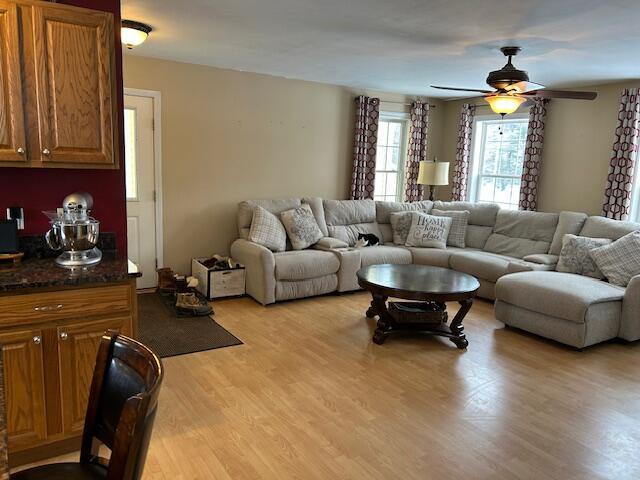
<point x="230" y="136"/>
<point x="577" y="148"/>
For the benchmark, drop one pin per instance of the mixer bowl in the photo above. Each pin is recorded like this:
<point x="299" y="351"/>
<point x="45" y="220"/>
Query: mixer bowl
<point x="73" y="237"/>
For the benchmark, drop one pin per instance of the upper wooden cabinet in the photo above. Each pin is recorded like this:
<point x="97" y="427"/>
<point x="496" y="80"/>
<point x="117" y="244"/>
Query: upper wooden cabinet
<point x="61" y="109"/>
<point x="12" y="136"/>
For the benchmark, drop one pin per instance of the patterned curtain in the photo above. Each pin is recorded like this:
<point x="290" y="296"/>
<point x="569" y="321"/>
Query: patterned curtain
<point x="364" y="150"/>
<point x="463" y="153"/>
<point x="617" y="194"/>
<point x="417" y="150"/>
<point x="533" y="155"/>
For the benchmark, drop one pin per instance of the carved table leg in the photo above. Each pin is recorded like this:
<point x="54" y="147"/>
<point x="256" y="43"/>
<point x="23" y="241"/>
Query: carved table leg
<point x="371" y="311"/>
<point x="459" y="338"/>
<point x="379" y="305"/>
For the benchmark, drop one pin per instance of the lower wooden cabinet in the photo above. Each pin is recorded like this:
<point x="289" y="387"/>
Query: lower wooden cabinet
<point x="49" y="363"/>
<point x="24" y="387"/>
<point x="77" y="348"/>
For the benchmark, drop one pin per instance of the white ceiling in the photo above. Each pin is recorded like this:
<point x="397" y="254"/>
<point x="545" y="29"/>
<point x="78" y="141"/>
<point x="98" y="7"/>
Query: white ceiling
<point x="398" y="45"/>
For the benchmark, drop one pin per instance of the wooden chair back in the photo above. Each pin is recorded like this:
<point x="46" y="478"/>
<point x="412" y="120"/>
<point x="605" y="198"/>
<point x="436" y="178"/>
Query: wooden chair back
<point x="122" y="406"/>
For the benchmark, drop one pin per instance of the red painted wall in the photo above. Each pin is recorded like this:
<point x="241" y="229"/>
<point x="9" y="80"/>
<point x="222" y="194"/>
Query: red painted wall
<point x="43" y="189"/>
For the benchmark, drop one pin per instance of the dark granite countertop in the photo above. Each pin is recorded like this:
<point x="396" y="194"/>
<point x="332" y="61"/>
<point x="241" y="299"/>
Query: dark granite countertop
<point x="45" y="273"/>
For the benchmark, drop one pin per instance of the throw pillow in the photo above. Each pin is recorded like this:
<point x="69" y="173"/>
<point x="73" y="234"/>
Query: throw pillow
<point x="619" y="261"/>
<point x="574" y="255"/>
<point x="400" y="225"/>
<point x="458" y="230"/>
<point x="428" y="231"/>
<point x="267" y="230"/>
<point x="301" y="226"/>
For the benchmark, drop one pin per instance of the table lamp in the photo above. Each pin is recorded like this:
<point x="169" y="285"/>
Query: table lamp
<point x="432" y="174"/>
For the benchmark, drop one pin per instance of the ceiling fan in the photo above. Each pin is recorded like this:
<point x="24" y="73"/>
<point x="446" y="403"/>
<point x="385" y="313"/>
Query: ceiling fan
<point x="512" y="87"/>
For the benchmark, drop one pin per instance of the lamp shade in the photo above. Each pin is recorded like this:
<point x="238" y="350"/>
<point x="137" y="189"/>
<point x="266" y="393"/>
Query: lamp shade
<point x="433" y="173"/>
<point x="133" y="33"/>
<point x="504" y="103"/>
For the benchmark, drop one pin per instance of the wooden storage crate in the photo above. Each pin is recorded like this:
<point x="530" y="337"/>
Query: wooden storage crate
<point x="218" y="283"/>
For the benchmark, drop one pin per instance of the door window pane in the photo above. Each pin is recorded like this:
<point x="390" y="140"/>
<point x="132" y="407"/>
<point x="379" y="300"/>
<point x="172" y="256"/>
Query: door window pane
<point x="130" y="164"/>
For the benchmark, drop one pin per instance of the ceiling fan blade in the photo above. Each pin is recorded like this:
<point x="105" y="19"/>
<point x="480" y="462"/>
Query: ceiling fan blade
<point x="573" y="95"/>
<point x="523" y="87"/>
<point x="463" y="89"/>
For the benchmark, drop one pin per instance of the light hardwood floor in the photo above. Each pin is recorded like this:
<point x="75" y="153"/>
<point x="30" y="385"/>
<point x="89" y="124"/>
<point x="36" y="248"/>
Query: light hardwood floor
<point x="308" y="396"/>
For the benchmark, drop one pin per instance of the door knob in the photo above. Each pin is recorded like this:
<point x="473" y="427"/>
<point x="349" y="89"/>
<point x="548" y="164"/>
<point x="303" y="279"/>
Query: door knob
<point x="20" y="150"/>
<point x="37" y="339"/>
<point x="46" y="151"/>
<point x="64" y="335"/>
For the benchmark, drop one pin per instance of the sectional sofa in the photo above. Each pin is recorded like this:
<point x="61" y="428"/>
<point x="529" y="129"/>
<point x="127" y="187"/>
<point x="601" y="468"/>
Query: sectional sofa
<point x="512" y="253"/>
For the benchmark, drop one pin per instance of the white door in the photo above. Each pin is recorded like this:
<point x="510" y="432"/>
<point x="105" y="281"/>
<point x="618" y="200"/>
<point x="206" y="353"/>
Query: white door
<point x="140" y="182"/>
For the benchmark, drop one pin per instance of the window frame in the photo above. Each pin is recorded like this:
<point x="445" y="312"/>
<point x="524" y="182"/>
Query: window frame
<point x="477" y="153"/>
<point x="403" y="120"/>
<point x="634" y="209"/>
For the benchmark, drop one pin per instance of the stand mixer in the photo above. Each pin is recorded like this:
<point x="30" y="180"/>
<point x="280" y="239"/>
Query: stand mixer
<point x="74" y="232"/>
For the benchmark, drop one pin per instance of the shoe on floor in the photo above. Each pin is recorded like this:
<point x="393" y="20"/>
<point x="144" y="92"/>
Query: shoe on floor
<point x="191" y="304"/>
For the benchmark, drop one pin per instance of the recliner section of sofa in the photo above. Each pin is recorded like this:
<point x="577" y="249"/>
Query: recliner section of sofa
<point x="573" y="309"/>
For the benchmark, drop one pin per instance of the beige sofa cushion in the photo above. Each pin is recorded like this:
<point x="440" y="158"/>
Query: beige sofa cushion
<point x="601" y="227"/>
<point x="349" y="233"/>
<point x="435" y="257"/>
<point x="477" y="236"/>
<point x="348" y="212"/>
<point x="317" y="208"/>
<point x="386" y="231"/>
<point x="384" y="254"/>
<point x="484" y="265"/>
<point x="304" y="264"/>
<point x="385" y="209"/>
<point x="563" y="295"/>
<point x="482" y="218"/>
<point x="346" y="219"/>
<point x="287" y="290"/>
<point x="521" y="233"/>
<point x="568" y="223"/>
<point x="479" y="213"/>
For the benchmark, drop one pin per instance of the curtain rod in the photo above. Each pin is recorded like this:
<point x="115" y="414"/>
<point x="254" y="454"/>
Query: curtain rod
<point x="405" y="104"/>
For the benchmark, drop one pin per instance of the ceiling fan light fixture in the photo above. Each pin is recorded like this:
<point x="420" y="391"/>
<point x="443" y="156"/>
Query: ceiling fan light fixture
<point x="504" y="103"/>
<point x="134" y="33"/>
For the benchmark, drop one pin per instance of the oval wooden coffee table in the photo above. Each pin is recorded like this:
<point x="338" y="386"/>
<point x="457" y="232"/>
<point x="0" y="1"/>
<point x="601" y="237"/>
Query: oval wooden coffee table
<point x="430" y="288"/>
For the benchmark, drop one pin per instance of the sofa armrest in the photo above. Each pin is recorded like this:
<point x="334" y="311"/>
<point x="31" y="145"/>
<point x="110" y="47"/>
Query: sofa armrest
<point x="524" y="266"/>
<point x="630" y="325"/>
<point x="329" y="243"/>
<point x="542" y="259"/>
<point x="260" y="267"/>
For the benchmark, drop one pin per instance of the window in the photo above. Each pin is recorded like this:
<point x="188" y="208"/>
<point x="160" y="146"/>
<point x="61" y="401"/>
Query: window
<point x="498" y="155"/>
<point x="390" y="158"/>
<point x="635" y="199"/>
<point x="131" y="180"/>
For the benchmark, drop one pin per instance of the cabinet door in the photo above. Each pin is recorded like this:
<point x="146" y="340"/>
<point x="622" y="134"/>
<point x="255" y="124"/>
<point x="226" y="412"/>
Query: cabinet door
<point x="75" y="72"/>
<point x="12" y="140"/>
<point x="24" y="387"/>
<point x="78" y="346"/>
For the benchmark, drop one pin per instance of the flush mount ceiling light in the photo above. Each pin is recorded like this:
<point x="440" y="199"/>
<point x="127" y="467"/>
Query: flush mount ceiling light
<point x="134" y="33"/>
<point x="504" y="103"/>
